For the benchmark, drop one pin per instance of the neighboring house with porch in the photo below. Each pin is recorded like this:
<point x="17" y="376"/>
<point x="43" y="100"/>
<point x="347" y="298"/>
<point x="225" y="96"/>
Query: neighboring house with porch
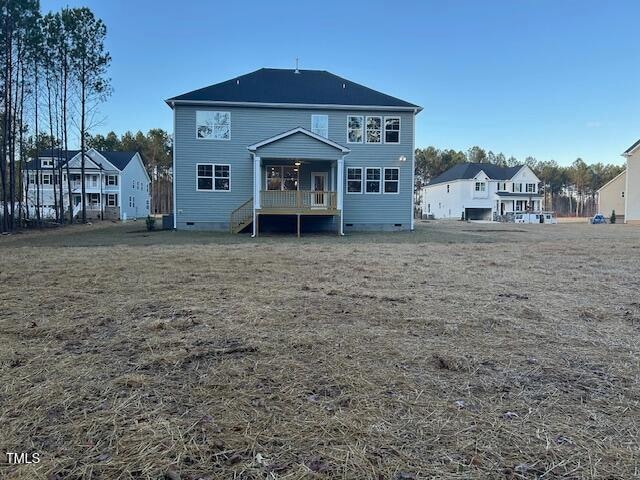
<point x="303" y="148"/>
<point x="116" y="184"/>
<point x="481" y="191"/>
<point x="611" y="197"/>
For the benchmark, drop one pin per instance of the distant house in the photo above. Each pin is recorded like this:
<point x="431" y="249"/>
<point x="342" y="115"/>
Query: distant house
<point x="116" y="183"/>
<point x="632" y="189"/>
<point x="611" y="197"/>
<point x="481" y="191"/>
<point x="280" y="146"/>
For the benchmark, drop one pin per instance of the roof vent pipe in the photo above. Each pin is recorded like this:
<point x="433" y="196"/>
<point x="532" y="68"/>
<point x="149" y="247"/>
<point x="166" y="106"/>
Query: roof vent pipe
<point x="296" y="70"/>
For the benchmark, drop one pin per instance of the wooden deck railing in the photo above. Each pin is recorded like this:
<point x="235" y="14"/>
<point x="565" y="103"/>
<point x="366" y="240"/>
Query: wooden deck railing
<point x="241" y="216"/>
<point x="298" y="199"/>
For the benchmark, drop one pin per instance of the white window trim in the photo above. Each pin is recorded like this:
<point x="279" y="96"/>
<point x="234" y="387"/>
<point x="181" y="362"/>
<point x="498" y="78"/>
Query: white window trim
<point x="366" y="180"/>
<point x="214" y="139"/>
<point x="266" y="178"/>
<point x="320" y="115"/>
<point x="213" y="177"/>
<point x="212" y="189"/>
<point x="396" y="181"/>
<point x="366" y="121"/>
<point x="483" y="186"/>
<point x="384" y="129"/>
<point x="114" y="177"/>
<point x="115" y="198"/>
<point x="364" y="127"/>
<point x="228" y="165"/>
<point x="361" y="181"/>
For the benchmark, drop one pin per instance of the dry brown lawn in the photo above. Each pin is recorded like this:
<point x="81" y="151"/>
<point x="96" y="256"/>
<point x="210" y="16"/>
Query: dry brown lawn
<point x="461" y="351"/>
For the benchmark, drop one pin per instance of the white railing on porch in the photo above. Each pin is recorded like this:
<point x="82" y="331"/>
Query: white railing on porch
<point x="298" y="199"/>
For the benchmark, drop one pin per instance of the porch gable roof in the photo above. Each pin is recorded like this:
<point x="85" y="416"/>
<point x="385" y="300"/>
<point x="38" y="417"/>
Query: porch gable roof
<point x="299" y="130"/>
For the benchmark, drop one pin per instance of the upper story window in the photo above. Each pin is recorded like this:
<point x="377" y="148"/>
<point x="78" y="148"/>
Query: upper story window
<point x="46" y="179"/>
<point x="502" y="186"/>
<point x="111" y="180"/>
<point x="481" y="186"/>
<point x="354" y="129"/>
<point x="392" y="180"/>
<point x="354" y="180"/>
<point x="516" y="187"/>
<point x="374" y="130"/>
<point x="391" y="129"/>
<point x="47" y="162"/>
<point x="447" y="188"/>
<point x="531" y="187"/>
<point x="213" y="177"/>
<point x="372" y="184"/>
<point x="213" y="125"/>
<point x="320" y="125"/>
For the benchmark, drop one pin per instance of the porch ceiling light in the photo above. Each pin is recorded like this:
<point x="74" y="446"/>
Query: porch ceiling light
<point x="297" y="164"/>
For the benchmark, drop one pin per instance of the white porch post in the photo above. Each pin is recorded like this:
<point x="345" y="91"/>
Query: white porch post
<point x="256" y="191"/>
<point x="332" y="181"/>
<point x="340" y="190"/>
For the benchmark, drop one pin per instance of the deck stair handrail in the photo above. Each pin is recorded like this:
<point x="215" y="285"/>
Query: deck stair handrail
<point x="241" y="216"/>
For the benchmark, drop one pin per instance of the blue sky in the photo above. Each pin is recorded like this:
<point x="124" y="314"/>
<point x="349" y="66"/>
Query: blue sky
<point x="551" y="79"/>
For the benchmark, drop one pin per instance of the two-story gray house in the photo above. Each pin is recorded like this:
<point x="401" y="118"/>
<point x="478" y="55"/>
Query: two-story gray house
<point x="300" y="147"/>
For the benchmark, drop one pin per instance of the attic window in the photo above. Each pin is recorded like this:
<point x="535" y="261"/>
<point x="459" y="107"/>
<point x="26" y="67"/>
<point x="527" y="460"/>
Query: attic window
<point x="47" y="162"/>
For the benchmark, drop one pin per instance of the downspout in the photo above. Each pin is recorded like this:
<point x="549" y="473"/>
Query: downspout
<point x="253" y="204"/>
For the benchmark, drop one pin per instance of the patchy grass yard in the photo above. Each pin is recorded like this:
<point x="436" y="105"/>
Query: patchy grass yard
<point x="459" y="351"/>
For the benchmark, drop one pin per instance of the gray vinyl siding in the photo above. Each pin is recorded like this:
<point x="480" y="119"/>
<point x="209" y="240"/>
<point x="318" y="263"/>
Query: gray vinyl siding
<point x="303" y="145"/>
<point x="252" y="125"/>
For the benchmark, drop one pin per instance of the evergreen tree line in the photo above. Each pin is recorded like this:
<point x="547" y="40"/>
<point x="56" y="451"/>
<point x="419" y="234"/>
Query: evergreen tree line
<point x="53" y="76"/>
<point x="568" y="190"/>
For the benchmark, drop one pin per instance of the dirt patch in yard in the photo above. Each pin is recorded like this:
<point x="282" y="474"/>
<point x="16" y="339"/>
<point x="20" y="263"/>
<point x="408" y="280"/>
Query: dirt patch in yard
<point x="380" y="357"/>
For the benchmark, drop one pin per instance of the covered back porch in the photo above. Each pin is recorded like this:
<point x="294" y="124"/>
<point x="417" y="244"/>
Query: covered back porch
<point x="298" y="174"/>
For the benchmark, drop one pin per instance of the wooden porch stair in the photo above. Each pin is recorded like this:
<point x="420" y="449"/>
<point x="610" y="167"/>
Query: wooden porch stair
<point x="241" y="216"/>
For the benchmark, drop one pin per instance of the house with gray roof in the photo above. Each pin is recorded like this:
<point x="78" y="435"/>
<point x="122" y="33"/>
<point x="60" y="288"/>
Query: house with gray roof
<point x="117" y="184"/>
<point x="481" y="191"/>
<point x="304" y="149"/>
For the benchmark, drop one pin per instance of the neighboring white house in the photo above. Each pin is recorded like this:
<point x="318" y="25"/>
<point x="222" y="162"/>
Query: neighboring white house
<point x="481" y="191"/>
<point x="116" y="184"/>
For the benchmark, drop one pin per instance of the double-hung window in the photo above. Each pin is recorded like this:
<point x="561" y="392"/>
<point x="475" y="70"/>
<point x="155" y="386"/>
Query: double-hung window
<point x="372" y="184"/>
<point x="531" y="188"/>
<point x="213" y="177"/>
<point x="320" y="125"/>
<point x="391" y="129"/>
<point x="354" y="180"/>
<point x="517" y="187"/>
<point x="112" y="180"/>
<point x="355" y="129"/>
<point x="374" y="130"/>
<point x="392" y="180"/>
<point x="213" y="125"/>
<point x="112" y="199"/>
<point x="221" y="178"/>
<point x="480" y="186"/>
<point x="46" y="179"/>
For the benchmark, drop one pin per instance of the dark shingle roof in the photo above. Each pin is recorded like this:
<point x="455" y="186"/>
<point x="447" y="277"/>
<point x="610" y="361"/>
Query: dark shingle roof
<point x="470" y="170"/>
<point x="311" y="87"/>
<point x="631" y="148"/>
<point x="118" y="159"/>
